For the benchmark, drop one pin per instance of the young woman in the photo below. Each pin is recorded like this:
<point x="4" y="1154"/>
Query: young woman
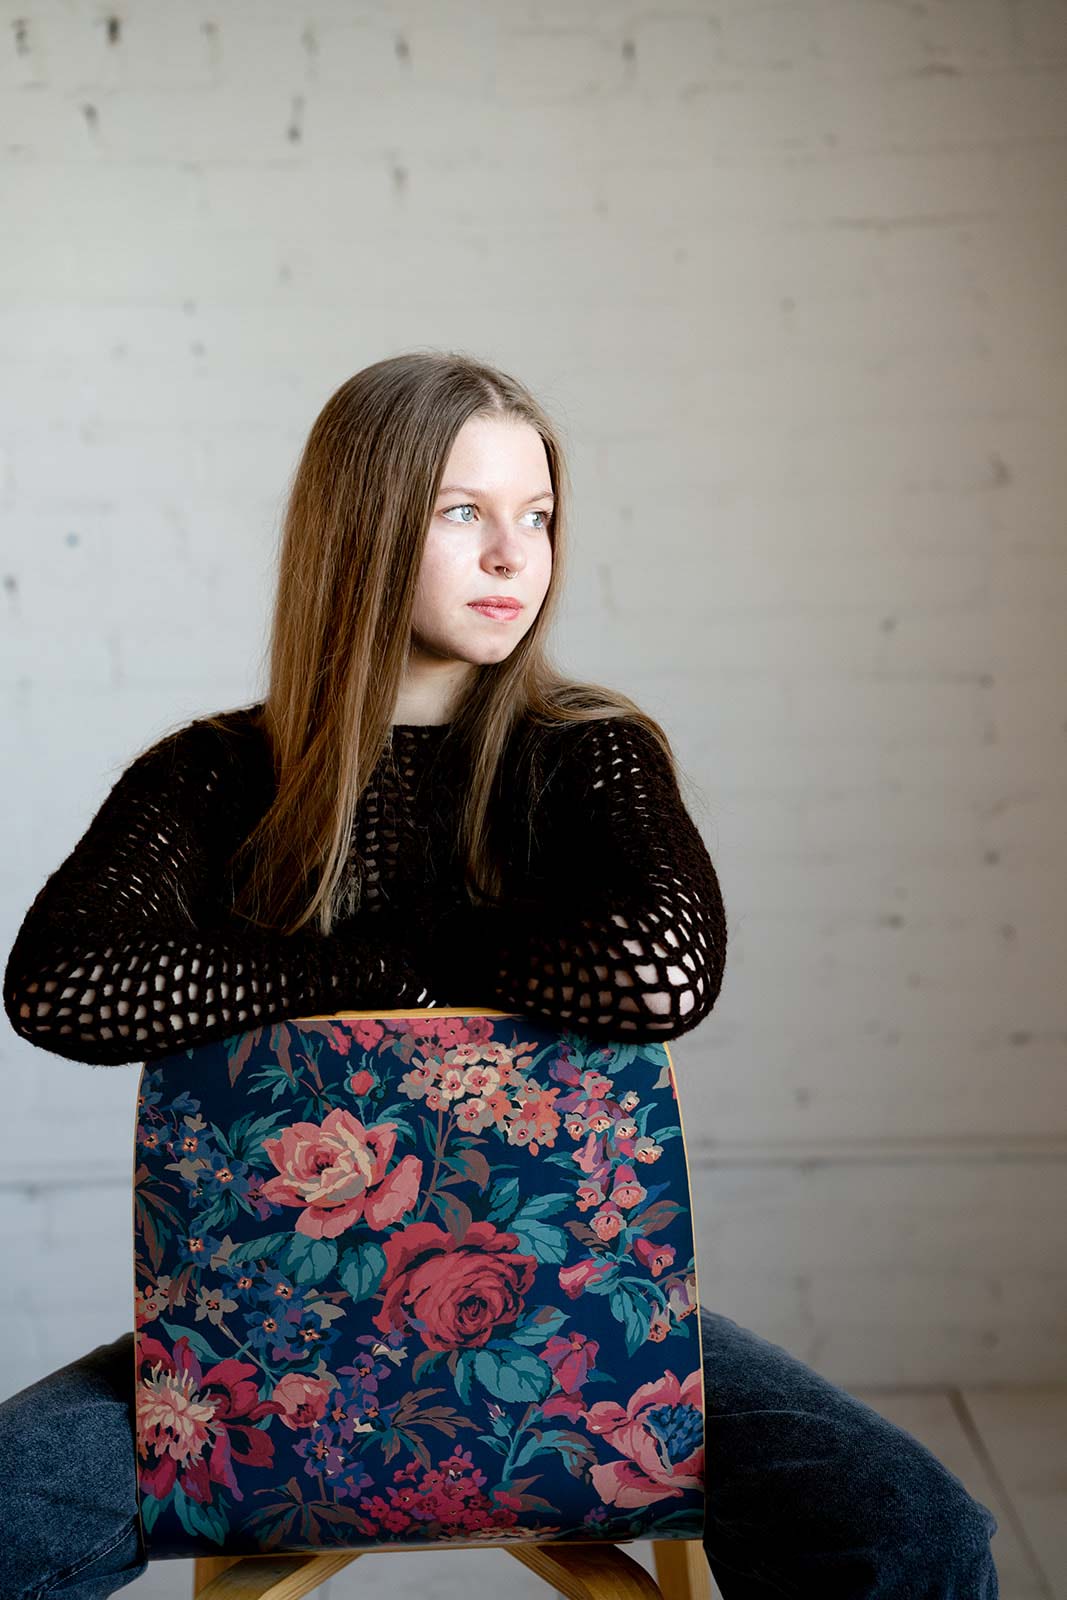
<point x="424" y="811"/>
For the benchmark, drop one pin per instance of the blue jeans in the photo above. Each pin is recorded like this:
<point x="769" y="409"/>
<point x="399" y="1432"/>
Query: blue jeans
<point x="810" y="1491"/>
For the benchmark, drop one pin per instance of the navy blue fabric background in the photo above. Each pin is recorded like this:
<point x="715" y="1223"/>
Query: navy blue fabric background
<point x="410" y="1280"/>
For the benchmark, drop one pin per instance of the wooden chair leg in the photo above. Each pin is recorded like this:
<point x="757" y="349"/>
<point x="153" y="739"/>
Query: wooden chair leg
<point x="588" y="1571"/>
<point x="207" y="1567"/>
<point x="265" y="1577"/>
<point x="682" y="1570"/>
<point x="578" y="1571"/>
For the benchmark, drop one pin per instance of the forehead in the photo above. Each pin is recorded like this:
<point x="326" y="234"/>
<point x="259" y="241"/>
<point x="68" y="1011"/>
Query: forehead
<point x="497" y="456"/>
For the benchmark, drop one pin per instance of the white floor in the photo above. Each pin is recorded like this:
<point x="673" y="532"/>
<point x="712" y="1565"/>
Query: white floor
<point x="1009" y="1446"/>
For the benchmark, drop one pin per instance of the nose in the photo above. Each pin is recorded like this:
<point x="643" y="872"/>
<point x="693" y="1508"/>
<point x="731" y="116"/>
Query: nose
<point x="504" y="549"/>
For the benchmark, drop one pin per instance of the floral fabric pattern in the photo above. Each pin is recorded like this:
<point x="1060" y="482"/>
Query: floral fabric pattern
<point x="413" y="1281"/>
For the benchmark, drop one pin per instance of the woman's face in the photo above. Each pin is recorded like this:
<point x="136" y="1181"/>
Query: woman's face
<point x="492" y="511"/>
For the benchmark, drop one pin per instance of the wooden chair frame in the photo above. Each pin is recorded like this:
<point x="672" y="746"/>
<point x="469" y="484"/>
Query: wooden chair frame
<point x="590" y="1571"/>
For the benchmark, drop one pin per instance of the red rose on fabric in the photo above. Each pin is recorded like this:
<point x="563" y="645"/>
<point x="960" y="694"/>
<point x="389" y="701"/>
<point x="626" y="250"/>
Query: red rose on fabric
<point x="454" y="1294"/>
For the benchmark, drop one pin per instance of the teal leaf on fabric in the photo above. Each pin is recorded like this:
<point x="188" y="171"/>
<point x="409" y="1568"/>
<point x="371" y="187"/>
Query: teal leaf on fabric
<point x="247" y="1136"/>
<point x="398" y="1112"/>
<point x="542" y="1205"/>
<point x="635" y="1314"/>
<point x="512" y="1376"/>
<point x="546" y="1321"/>
<point x="540" y="1239"/>
<point x="463" y="1372"/>
<point x="576" y="1450"/>
<point x="617" y="1057"/>
<point x="645" y="1288"/>
<point x="222" y="1142"/>
<point x="272" y="1072"/>
<point x="150" y="1509"/>
<point x="222" y="1211"/>
<point x="196" y="1518"/>
<point x="197" y="1343"/>
<point x="505" y="1200"/>
<point x="308" y="1260"/>
<point x="361" y="1270"/>
<point x="561" y="1158"/>
<point x="269" y="1248"/>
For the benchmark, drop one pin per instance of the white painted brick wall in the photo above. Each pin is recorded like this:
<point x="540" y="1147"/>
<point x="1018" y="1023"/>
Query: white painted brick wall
<point x="792" y="278"/>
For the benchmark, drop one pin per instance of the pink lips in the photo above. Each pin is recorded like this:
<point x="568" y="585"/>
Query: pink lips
<point x="498" y="609"/>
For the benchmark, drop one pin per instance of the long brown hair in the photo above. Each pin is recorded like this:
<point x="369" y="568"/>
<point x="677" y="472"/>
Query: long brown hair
<point x="356" y="519"/>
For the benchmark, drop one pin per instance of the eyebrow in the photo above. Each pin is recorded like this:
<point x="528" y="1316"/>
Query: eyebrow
<point x="462" y="488"/>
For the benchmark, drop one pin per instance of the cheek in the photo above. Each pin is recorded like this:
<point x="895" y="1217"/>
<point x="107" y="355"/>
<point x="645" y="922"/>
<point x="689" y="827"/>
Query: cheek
<point x="442" y="559"/>
<point x="545" y="574"/>
<point x="442" y="579"/>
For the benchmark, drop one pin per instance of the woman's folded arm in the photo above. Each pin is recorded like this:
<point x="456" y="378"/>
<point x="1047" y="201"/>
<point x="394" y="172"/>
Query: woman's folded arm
<point x="617" y="930"/>
<point x="111" y="966"/>
<point x="626" y="938"/>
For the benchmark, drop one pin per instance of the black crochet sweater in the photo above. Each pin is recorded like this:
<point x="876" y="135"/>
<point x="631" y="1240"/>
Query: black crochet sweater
<point x="614" y="924"/>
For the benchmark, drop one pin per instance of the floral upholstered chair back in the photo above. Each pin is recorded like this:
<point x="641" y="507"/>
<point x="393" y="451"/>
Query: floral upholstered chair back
<point x="410" y="1280"/>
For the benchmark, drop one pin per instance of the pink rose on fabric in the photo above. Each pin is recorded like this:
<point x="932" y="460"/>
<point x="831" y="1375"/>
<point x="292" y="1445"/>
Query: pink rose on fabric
<point x="302" y="1399"/>
<point x="361" y="1081"/>
<point x="453" y="1293"/>
<point x="337" y="1171"/>
<point x="660" y="1439"/>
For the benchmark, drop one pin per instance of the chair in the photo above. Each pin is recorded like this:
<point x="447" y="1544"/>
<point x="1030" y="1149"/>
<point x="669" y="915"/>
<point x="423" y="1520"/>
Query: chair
<point x="416" y="1279"/>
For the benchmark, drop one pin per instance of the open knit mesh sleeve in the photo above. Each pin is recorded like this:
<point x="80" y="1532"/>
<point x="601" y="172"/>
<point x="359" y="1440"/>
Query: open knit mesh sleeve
<point x="112" y="962"/>
<point x="625" y="934"/>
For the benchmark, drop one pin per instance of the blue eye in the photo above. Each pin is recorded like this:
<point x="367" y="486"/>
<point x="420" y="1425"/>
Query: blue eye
<point x="469" y="507"/>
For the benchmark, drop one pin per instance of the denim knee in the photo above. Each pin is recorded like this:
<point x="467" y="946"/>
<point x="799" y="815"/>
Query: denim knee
<point x="945" y="1554"/>
<point x="68" y="1500"/>
<point x="966" y="1553"/>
